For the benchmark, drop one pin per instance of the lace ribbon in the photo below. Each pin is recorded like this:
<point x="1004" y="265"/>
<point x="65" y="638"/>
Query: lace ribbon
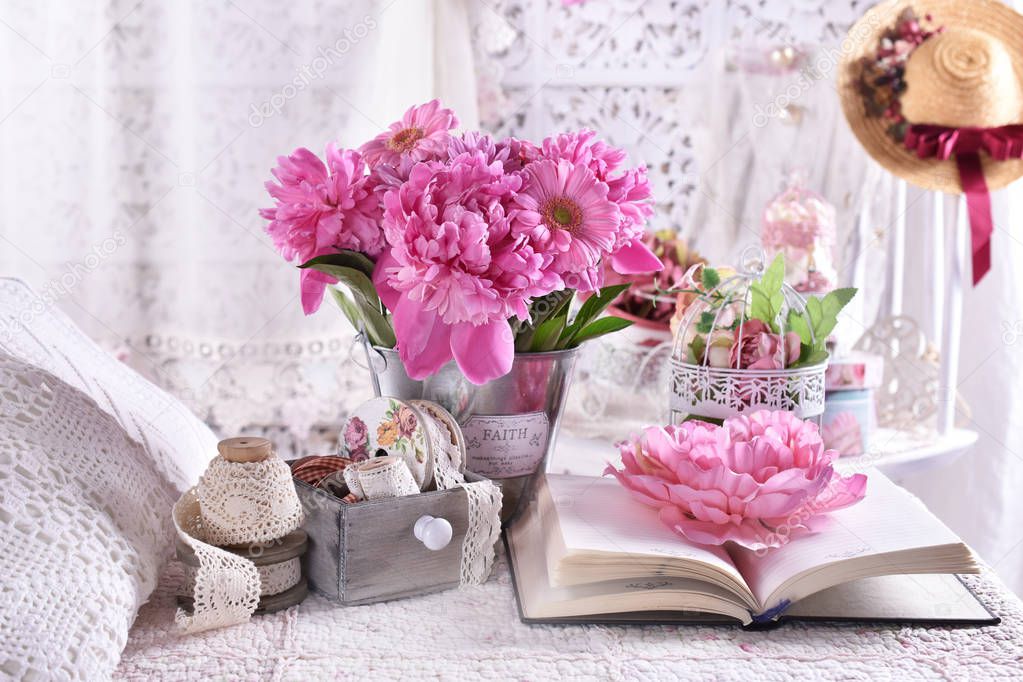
<point x="273" y="578"/>
<point x="484" y="497"/>
<point x="234" y="503"/>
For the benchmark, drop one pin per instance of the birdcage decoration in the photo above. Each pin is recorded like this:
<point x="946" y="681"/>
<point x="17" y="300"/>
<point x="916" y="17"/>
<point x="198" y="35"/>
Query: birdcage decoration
<point x="746" y="342"/>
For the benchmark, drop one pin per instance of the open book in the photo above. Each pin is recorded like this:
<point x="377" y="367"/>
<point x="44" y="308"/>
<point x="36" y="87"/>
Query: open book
<point x="586" y="551"/>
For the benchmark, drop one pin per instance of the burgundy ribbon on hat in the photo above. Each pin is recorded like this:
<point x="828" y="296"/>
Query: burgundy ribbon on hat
<point x="966" y="144"/>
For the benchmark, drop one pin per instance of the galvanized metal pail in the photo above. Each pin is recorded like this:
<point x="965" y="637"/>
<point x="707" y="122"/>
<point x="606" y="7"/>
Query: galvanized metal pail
<point x="510" y="424"/>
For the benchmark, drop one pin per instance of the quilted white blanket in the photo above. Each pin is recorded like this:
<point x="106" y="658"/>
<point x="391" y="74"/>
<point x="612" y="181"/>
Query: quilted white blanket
<point x="475" y="633"/>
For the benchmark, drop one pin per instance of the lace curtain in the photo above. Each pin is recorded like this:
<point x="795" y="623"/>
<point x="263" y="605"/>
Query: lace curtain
<point x="138" y="135"/>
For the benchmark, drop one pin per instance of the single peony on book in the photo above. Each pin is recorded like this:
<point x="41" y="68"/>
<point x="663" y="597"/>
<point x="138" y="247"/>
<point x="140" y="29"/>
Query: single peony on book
<point x="587" y="551"/>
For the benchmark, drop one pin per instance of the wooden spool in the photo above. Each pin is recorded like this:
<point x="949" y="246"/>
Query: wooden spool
<point x="245" y="449"/>
<point x="292" y="545"/>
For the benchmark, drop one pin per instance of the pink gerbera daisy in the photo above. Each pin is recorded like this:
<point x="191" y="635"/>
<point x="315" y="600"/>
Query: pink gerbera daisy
<point x="566" y="207"/>
<point x="420" y="134"/>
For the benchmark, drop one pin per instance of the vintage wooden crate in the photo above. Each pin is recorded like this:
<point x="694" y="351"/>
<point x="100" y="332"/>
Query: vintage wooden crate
<point x="366" y="552"/>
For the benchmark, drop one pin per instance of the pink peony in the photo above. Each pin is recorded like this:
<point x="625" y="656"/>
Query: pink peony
<point x="458" y="267"/>
<point x="759" y="348"/>
<point x="754" y="481"/>
<point x="566" y="210"/>
<point x="320" y="209"/>
<point x="421" y="134"/>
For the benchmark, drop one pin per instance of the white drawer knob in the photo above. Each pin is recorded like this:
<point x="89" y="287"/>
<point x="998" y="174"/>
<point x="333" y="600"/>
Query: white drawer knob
<point x="433" y="532"/>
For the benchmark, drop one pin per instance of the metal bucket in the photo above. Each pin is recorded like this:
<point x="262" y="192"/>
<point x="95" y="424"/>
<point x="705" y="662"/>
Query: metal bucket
<point x="389" y="376"/>
<point x="510" y="424"/>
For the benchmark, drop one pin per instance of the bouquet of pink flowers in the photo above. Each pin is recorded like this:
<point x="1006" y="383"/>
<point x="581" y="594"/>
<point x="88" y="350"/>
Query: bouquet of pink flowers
<point x="757" y="480"/>
<point x="457" y="246"/>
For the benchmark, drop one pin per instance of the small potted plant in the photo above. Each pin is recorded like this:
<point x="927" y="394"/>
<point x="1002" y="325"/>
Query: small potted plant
<point x="460" y="256"/>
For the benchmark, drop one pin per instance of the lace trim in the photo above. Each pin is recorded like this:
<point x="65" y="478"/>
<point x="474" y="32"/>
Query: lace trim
<point x="227" y="586"/>
<point x="484" y="497"/>
<point x="273" y="578"/>
<point x="247" y="502"/>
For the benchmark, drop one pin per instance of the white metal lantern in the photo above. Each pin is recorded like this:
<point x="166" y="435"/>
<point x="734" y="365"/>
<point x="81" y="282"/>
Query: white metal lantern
<point x="713" y="385"/>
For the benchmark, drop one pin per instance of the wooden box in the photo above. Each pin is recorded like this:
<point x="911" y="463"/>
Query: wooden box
<point x="366" y="552"/>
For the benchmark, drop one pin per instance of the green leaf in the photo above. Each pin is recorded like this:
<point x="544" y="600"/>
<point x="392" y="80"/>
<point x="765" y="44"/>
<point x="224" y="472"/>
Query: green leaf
<point x="590" y="310"/>
<point x="799" y="324"/>
<point x="706" y="323"/>
<point x="356" y="280"/>
<point x="378" y="327"/>
<point x="774" y="276"/>
<point x="710" y="278"/>
<point x="548" y="333"/>
<point x="698" y="346"/>
<point x="835" y="300"/>
<point x="345" y="258"/>
<point x="828" y="310"/>
<point x="541" y="310"/>
<point x="347" y="306"/>
<point x="809" y="355"/>
<point x="551" y="305"/>
<point x="365" y="299"/>
<point x="814" y="312"/>
<point x="760" y="304"/>
<point x="599" y="327"/>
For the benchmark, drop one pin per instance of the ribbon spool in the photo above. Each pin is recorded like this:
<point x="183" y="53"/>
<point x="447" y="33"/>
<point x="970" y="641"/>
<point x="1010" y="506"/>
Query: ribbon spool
<point x="247" y="495"/>
<point x="389" y="426"/>
<point x="380" y="477"/>
<point x="238" y="537"/>
<point x="278" y="564"/>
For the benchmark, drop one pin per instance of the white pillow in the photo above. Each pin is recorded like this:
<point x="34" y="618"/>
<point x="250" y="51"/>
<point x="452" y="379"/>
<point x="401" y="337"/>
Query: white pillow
<point x="92" y="458"/>
<point x="85" y="526"/>
<point x="34" y="330"/>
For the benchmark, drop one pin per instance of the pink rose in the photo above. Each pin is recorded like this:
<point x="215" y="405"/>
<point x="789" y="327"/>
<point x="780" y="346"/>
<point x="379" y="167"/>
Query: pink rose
<point x="759" y="348"/>
<point x="356" y="438"/>
<point x="407" y="421"/>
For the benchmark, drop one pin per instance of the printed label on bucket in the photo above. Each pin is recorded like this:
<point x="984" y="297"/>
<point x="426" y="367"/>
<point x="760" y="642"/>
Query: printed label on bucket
<point x="505" y="445"/>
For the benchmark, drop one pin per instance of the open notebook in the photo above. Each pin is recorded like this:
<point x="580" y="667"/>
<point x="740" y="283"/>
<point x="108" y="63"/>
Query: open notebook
<point x="586" y="551"/>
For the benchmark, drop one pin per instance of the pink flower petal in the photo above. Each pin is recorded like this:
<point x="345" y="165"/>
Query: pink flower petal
<point x="313" y="285"/>
<point x="756" y="480"/>
<point x="483" y="352"/>
<point x="381" y="272"/>
<point x="634" y="259"/>
<point x="424" y="341"/>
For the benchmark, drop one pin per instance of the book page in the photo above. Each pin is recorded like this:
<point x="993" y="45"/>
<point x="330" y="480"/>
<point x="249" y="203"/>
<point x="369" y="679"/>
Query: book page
<point x="539" y="600"/>
<point x="888" y="519"/>
<point x="599" y="515"/>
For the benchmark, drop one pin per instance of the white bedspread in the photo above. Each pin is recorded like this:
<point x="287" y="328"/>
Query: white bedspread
<point x="475" y="633"/>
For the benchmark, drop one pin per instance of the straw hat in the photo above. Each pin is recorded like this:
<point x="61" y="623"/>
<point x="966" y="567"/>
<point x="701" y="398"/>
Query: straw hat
<point x="968" y="75"/>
